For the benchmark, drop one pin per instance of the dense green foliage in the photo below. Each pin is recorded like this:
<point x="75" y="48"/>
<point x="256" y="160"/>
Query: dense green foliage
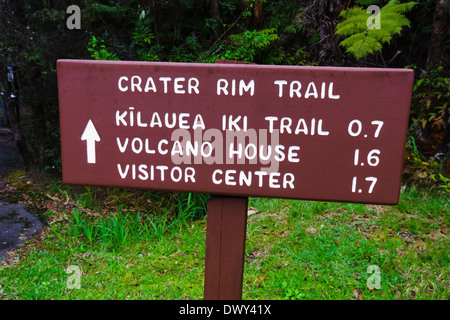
<point x="34" y="35"/>
<point x="430" y="122"/>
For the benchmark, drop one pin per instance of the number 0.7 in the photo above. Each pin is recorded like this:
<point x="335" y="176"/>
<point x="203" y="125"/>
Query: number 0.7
<point x="373" y="181"/>
<point x="355" y="127"/>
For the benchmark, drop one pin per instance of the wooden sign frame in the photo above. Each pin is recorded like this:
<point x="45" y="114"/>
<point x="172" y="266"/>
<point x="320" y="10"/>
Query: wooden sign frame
<point x="337" y="134"/>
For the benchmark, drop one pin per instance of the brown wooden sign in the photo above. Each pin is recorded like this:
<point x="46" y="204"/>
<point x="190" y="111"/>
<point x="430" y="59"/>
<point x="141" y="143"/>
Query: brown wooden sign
<point x="313" y="133"/>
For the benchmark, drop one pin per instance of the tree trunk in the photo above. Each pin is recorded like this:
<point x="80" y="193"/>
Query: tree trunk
<point x="437" y="53"/>
<point x="215" y="13"/>
<point x="13" y="109"/>
<point x="39" y="134"/>
<point x="257" y="17"/>
<point x="159" y="19"/>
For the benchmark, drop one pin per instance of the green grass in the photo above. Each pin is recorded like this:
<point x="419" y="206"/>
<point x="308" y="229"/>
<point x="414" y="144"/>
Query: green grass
<point x="294" y="250"/>
<point x="320" y="250"/>
<point x="162" y="269"/>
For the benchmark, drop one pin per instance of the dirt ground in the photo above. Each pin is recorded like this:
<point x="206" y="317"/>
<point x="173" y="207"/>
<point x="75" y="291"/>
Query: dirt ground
<point x="17" y="224"/>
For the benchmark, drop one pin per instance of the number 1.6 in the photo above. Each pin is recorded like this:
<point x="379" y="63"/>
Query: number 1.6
<point x="372" y="158"/>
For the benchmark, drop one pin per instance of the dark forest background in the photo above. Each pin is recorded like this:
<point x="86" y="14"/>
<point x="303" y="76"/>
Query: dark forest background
<point x="34" y="34"/>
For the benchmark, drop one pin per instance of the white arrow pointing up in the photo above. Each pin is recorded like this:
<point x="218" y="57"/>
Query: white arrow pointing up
<point x="91" y="136"/>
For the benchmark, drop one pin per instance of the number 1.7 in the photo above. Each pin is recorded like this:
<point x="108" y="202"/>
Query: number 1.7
<point x="373" y="181"/>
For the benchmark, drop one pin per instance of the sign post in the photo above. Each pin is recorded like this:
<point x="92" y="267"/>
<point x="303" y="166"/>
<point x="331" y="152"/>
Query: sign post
<point x="225" y="247"/>
<point x="235" y="131"/>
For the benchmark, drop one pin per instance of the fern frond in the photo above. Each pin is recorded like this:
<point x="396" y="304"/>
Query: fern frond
<point x="354" y="11"/>
<point x="361" y="40"/>
<point x="351" y="26"/>
<point x="394" y="22"/>
<point x="360" y="46"/>
<point x="381" y="35"/>
<point x="396" y="6"/>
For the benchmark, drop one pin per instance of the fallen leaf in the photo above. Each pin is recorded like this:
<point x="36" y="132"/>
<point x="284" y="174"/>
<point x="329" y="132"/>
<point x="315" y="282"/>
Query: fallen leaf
<point x="336" y="241"/>
<point x="358" y="244"/>
<point x="251" y="211"/>
<point x="52" y="198"/>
